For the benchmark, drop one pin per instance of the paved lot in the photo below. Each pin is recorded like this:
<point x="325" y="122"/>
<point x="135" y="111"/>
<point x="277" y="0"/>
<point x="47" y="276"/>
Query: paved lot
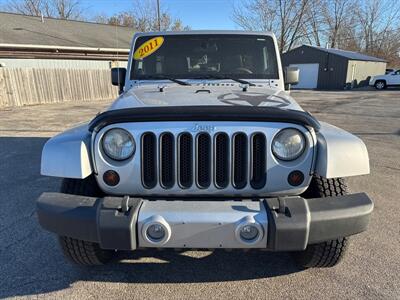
<point x="31" y="263"/>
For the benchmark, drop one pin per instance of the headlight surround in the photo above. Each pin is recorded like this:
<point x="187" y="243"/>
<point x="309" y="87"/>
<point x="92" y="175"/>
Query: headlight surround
<point x="118" y="144"/>
<point x="288" y="144"/>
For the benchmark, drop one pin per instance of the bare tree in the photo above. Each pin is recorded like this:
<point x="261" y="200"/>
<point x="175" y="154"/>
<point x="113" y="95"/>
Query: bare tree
<point x="285" y="17"/>
<point x="123" y="19"/>
<point x="379" y="28"/>
<point x="337" y="15"/>
<point x="144" y="18"/>
<point x="292" y="14"/>
<point x="26" y="7"/>
<point x="63" y="9"/>
<point x="67" y="9"/>
<point x="313" y="29"/>
<point x="377" y="19"/>
<point x="178" y="26"/>
<point x="255" y="15"/>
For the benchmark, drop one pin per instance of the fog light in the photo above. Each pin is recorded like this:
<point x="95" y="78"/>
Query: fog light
<point x="156" y="232"/>
<point x="249" y="232"/>
<point x="111" y="178"/>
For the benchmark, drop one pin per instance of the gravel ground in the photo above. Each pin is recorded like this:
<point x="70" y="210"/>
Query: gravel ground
<point x="32" y="265"/>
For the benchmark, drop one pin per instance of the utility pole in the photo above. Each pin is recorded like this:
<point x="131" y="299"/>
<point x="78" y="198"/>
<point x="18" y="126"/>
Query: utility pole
<point x="158" y="15"/>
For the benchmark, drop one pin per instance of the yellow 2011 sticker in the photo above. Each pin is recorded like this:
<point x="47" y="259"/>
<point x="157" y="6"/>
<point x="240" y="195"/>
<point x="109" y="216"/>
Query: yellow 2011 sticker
<point x="148" y="47"/>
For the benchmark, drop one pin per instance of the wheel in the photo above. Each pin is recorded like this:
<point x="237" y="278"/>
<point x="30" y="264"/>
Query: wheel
<point x="78" y="251"/>
<point x="380" y="85"/>
<point x="84" y="253"/>
<point x="328" y="253"/>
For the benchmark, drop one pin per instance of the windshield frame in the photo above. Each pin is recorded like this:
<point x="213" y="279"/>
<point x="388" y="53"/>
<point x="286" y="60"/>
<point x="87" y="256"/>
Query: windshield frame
<point x="277" y="75"/>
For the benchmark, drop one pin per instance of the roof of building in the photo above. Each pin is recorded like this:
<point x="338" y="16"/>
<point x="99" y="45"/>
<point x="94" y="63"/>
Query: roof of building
<point x="23" y="29"/>
<point x="348" y="54"/>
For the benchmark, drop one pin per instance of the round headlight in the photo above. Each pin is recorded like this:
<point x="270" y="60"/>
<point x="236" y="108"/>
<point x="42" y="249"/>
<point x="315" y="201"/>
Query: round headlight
<point x="288" y="144"/>
<point x="118" y="144"/>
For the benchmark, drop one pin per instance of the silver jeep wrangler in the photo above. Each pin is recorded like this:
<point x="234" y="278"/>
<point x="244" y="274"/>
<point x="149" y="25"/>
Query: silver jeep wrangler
<point x="204" y="149"/>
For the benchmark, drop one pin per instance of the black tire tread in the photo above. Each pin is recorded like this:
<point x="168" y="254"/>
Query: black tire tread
<point x="82" y="187"/>
<point x="323" y="187"/>
<point x="83" y="252"/>
<point x="328" y="253"/>
<point x="323" y="255"/>
<point x="77" y="251"/>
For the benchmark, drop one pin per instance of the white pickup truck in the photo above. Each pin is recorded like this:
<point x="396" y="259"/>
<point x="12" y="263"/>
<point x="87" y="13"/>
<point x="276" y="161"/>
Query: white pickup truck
<point x="204" y="148"/>
<point x="381" y="82"/>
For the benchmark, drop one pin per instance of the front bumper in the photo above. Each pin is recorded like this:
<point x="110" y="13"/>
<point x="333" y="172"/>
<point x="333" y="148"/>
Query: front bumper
<point x="285" y="224"/>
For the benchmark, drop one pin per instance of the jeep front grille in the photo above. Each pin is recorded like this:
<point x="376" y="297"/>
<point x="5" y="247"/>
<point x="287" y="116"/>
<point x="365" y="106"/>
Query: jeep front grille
<point x="203" y="159"/>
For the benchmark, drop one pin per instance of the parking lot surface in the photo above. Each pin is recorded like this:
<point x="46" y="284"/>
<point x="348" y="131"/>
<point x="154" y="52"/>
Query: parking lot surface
<point x="32" y="265"/>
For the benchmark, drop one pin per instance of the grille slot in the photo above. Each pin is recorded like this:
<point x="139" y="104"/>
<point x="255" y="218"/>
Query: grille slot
<point x="221" y="161"/>
<point x="258" y="161"/>
<point x="239" y="159"/>
<point x="203" y="159"/>
<point x="149" y="160"/>
<point x="185" y="160"/>
<point x="167" y="160"/>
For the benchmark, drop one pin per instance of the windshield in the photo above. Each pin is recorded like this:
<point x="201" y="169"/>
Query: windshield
<point x="204" y="56"/>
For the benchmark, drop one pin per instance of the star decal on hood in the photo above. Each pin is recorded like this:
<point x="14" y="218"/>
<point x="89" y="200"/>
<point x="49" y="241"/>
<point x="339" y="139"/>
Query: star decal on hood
<point x="253" y="99"/>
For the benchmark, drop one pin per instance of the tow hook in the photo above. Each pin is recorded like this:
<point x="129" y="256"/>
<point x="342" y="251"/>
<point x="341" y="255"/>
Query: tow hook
<point x="282" y="205"/>
<point x="126" y="203"/>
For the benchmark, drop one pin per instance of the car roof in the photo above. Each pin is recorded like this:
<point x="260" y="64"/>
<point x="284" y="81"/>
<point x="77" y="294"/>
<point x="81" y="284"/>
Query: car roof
<point x="199" y="32"/>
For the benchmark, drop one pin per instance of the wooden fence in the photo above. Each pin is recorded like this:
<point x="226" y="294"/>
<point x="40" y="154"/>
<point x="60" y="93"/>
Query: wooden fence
<point x="20" y="87"/>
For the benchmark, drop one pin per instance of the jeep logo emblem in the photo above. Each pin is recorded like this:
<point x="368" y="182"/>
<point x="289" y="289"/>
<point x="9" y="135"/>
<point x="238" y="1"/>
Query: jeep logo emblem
<point x="198" y="128"/>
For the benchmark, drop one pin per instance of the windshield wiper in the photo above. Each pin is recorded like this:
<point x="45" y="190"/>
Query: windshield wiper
<point x="210" y="76"/>
<point x="161" y="77"/>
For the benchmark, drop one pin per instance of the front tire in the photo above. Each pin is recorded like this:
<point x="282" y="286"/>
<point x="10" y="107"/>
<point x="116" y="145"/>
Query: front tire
<point x="84" y="253"/>
<point x="380" y="85"/>
<point x="77" y="251"/>
<point x="328" y="253"/>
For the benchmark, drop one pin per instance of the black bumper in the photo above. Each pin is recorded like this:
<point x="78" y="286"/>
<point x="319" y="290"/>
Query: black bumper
<point x="293" y="222"/>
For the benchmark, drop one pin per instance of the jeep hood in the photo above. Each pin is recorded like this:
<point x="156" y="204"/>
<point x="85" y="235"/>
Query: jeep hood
<point x="195" y="95"/>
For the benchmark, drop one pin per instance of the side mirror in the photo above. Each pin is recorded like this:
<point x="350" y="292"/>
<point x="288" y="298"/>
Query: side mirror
<point x="118" y="78"/>
<point x="292" y="75"/>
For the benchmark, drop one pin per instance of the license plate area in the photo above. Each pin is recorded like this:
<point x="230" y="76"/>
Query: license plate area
<point x="202" y="224"/>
